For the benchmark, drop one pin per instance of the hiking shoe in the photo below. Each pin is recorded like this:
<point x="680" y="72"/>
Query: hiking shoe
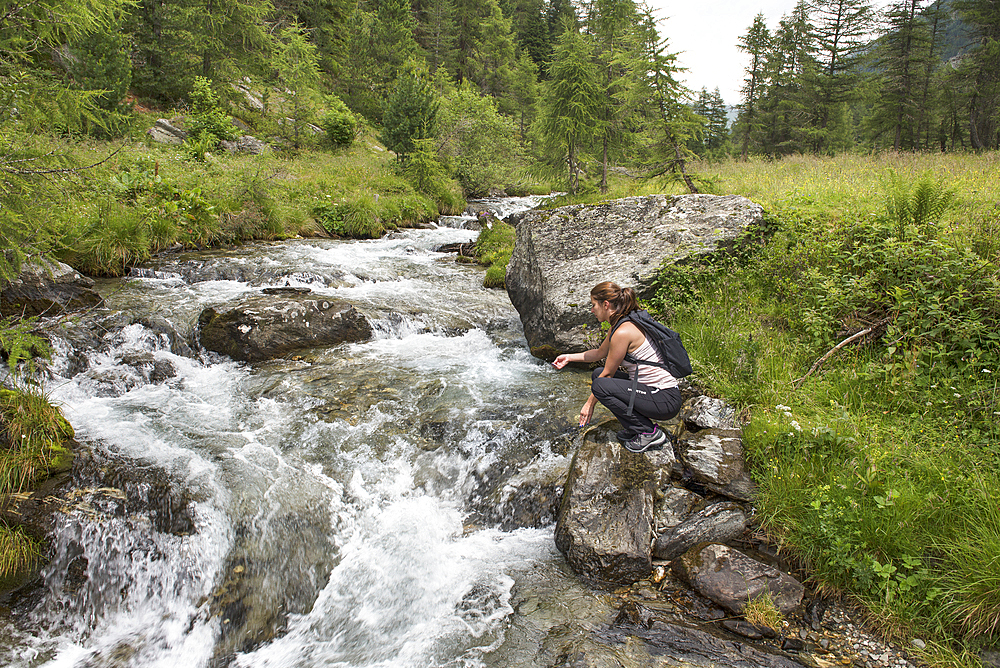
<point x="625" y="435"/>
<point x="654" y="440"/>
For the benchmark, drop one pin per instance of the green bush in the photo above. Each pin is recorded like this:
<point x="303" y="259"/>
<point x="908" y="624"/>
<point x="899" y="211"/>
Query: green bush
<point x="494" y="246"/>
<point x="207" y="115"/>
<point x="339" y="122"/>
<point x="115" y="238"/>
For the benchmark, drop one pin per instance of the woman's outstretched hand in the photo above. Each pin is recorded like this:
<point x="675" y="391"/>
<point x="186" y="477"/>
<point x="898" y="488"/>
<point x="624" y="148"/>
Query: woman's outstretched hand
<point x="561" y="361"/>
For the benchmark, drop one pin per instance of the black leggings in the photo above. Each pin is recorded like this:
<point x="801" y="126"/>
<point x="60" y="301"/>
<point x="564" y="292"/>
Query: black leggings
<point x="651" y="403"/>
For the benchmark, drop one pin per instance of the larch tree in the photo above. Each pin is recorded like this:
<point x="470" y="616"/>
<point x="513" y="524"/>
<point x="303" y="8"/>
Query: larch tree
<point x="756" y="43"/>
<point x="841" y="29"/>
<point x="571" y="102"/>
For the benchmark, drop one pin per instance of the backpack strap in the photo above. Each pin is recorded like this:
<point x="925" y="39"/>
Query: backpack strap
<point x="631" y="359"/>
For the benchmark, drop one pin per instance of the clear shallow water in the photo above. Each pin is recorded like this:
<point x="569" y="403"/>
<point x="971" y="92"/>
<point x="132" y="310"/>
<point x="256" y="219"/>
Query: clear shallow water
<point x="328" y="495"/>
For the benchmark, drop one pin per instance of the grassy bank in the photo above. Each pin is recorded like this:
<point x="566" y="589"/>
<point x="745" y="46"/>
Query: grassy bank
<point x="140" y="198"/>
<point x="880" y="466"/>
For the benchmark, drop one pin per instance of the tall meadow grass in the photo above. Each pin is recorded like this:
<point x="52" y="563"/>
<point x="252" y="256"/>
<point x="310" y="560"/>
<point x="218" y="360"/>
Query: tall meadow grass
<point x="880" y="469"/>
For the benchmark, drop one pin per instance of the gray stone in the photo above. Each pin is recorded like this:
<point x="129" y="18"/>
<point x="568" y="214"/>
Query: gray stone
<point x="267" y="327"/>
<point x="251" y="145"/>
<point x="561" y="254"/>
<point x="715" y="459"/>
<point x="164" y="132"/>
<point x="675" y="506"/>
<point x="718" y="522"/>
<point x="605" y="524"/>
<point x="703" y="412"/>
<point x="732" y="579"/>
<point x="50" y="289"/>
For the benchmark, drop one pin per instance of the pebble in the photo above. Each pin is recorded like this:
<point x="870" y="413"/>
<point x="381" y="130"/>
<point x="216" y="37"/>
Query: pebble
<point x="919" y="644"/>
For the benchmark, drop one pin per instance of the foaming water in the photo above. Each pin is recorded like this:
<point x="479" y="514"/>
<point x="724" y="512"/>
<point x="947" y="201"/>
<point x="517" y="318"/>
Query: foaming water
<point x="320" y="502"/>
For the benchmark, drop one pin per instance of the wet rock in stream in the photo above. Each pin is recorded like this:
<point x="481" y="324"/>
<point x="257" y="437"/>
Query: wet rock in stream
<point x="265" y="327"/>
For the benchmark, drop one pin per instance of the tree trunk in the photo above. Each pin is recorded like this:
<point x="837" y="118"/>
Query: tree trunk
<point x="604" y="168"/>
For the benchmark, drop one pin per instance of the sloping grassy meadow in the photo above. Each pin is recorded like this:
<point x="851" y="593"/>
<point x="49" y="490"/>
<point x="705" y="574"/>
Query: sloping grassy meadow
<point x="878" y="466"/>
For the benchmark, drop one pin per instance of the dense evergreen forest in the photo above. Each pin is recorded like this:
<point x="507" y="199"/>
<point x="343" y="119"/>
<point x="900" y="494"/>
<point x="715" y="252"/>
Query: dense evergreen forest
<point x="500" y="84"/>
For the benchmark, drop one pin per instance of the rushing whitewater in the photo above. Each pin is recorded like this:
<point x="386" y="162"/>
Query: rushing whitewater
<point x="326" y="497"/>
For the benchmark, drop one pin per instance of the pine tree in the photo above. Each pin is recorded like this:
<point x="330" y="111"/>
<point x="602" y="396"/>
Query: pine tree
<point x="717" y="127"/>
<point x="983" y="71"/>
<point x="840" y="29"/>
<point x="571" y="104"/>
<point x="297" y="63"/>
<point x="900" y="57"/>
<point x="782" y="107"/>
<point x="436" y="33"/>
<point x="671" y="123"/>
<point x="528" y="19"/>
<point x="756" y="43"/>
<point x="612" y="23"/>
<point x="410" y="111"/>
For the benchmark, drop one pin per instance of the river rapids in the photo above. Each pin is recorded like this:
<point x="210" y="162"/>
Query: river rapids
<point x="319" y="510"/>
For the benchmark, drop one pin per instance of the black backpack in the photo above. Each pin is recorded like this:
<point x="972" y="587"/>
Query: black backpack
<point x="664" y="340"/>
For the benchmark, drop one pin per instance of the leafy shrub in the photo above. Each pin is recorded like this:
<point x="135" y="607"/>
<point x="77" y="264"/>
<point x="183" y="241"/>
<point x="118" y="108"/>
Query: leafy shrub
<point x="207" y="115"/>
<point x="480" y="142"/>
<point x="339" y="122"/>
<point x="494" y="247"/>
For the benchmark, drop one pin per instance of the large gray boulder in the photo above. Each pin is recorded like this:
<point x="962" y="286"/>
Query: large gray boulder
<point x="732" y="579"/>
<point x="561" y="254"/>
<point x="270" y="326"/>
<point x="50" y="289"/>
<point x="715" y="459"/>
<point x="605" y="524"/>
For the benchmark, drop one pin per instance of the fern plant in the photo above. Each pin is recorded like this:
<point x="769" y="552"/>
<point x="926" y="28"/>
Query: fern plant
<point x="921" y="205"/>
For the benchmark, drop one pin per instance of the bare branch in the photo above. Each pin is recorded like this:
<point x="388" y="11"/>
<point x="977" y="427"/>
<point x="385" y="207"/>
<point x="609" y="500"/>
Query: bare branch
<point x="832" y="351"/>
<point x="26" y="172"/>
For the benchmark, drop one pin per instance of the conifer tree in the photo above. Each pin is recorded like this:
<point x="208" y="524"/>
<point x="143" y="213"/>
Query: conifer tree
<point x="410" y="111"/>
<point x="571" y="105"/>
<point x="982" y="72"/>
<point x="840" y="29"/>
<point x="900" y="56"/>
<point x="297" y="63"/>
<point x="612" y="23"/>
<point x="671" y="123"/>
<point x="783" y="109"/>
<point x="756" y="44"/>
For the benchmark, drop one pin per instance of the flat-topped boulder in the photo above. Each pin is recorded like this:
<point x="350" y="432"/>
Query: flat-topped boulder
<point x="561" y="254"/>
<point x="269" y="326"/>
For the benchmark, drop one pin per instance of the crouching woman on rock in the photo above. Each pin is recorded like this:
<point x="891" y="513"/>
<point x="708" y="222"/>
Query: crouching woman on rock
<point x="656" y="395"/>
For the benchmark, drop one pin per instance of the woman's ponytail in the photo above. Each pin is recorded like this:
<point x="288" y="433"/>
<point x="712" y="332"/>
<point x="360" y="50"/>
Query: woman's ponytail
<point x="622" y="300"/>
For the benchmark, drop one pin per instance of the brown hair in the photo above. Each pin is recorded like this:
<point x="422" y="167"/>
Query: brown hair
<point x="622" y="300"/>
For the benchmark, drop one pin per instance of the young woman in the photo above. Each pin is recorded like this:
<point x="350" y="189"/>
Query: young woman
<point x="656" y="397"/>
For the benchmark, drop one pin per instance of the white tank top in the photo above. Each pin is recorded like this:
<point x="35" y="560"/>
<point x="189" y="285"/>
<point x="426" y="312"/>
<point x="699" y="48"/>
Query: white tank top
<point x="653" y="376"/>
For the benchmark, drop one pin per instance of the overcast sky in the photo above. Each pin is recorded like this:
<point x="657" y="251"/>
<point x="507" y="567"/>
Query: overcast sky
<point x="706" y="32"/>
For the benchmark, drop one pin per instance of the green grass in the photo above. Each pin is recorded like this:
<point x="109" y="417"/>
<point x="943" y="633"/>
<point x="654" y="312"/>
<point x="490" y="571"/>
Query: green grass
<point x="881" y="469"/>
<point x="33" y="436"/>
<point x="494" y="246"/>
<point x="18" y="551"/>
<point x="144" y="198"/>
